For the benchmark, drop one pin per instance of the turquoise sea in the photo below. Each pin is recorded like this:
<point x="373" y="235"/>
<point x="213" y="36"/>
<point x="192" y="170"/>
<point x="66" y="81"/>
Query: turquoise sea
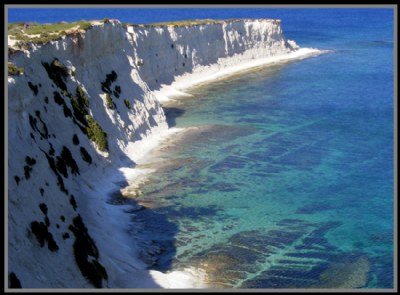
<point x="286" y="178"/>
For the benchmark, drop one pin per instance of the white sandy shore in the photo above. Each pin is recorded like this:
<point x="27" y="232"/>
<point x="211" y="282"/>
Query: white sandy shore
<point x="220" y="70"/>
<point x="140" y="152"/>
<point x="133" y="275"/>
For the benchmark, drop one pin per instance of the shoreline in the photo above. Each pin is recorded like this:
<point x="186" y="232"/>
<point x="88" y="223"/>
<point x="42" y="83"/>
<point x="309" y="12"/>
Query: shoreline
<point x="118" y="222"/>
<point x="223" y="70"/>
<point x="183" y="156"/>
<point x="147" y="152"/>
<point x="143" y="152"/>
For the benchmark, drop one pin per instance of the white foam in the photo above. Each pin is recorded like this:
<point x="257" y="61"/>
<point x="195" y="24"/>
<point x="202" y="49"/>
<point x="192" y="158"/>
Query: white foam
<point x="189" y="278"/>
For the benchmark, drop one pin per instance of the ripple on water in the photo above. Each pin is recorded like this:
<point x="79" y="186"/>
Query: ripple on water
<point x="295" y="254"/>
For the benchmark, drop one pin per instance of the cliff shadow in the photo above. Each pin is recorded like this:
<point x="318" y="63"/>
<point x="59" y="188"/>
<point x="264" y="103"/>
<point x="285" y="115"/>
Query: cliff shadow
<point x="151" y="230"/>
<point x="171" y="114"/>
<point x="60" y="144"/>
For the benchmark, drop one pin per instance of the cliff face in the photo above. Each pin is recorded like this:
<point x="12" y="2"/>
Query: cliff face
<point x="74" y="117"/>
<point x="172" y="51"/>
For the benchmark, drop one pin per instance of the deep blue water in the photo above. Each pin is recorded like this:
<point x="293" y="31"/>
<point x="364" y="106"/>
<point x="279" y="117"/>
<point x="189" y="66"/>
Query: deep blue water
<point x="288" y="180"/>
<point x="309" y="27"/>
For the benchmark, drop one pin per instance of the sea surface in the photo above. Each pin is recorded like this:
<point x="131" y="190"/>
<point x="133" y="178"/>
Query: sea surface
<point x="285" y="178"/>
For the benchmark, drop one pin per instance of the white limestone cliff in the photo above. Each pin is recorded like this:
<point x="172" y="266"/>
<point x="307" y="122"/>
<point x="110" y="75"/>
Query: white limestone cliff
<point x="47" y="190"/>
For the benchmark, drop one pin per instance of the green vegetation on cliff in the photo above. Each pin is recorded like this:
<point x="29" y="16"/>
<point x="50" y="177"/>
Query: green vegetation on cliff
<point x="13" y="70"/>
<point x="96" y="134"/>
<point x="25" y="33"/>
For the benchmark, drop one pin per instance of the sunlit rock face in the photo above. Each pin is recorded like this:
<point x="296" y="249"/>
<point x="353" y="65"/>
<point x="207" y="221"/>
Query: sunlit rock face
<point x="75" y="116"/>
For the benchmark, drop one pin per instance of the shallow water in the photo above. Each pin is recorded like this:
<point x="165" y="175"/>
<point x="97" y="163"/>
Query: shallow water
<point x="284" y="178"/>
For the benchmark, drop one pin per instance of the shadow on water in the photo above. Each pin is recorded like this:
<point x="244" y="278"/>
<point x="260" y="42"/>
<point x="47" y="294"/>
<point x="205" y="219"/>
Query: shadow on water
<point x="172" y="113"/>
<point x="151" y="230"/>
<point x="85" y="252"/>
